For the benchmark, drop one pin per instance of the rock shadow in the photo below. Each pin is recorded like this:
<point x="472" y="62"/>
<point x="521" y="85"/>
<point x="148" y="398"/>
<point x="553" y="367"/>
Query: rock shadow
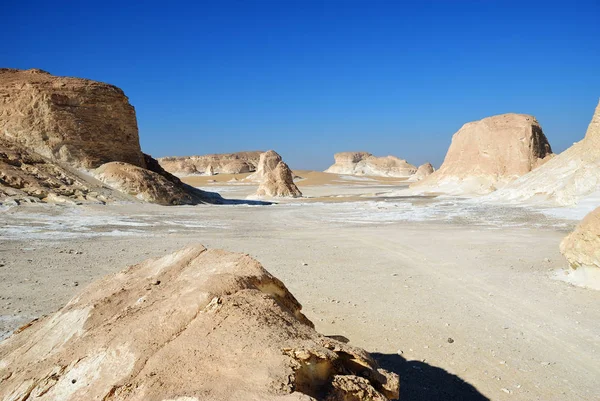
<point x="420" y="381"/>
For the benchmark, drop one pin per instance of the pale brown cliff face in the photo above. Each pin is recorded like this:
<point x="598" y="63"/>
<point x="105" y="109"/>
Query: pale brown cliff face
<point x="72" y="120"/>
<point x="194" y="325"/>
<point x="490" y="152"/>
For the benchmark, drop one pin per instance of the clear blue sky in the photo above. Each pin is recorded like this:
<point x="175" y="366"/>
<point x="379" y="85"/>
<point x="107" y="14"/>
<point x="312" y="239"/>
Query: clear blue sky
<point x="311" y="78"/>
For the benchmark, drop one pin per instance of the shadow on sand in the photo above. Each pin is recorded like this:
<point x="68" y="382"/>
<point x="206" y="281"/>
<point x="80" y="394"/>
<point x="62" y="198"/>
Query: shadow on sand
<point x="422" y="382"/>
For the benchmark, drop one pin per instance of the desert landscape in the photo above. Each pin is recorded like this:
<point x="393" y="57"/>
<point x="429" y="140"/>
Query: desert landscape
<point x="232" y="276"/>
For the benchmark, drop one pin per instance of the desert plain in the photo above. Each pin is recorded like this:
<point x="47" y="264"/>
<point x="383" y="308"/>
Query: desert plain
<point x="463" y="299"/>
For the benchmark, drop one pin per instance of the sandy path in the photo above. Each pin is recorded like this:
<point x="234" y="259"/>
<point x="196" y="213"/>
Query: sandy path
<point x="388" y="283"/>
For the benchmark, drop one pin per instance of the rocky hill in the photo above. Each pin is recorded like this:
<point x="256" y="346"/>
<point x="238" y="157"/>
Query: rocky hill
<point x="56" y="131"/>
<point x="487" y="154"/>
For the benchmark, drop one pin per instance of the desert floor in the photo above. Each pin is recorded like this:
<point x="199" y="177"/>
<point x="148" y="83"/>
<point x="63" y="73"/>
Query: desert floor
<point x="458" y="297"/>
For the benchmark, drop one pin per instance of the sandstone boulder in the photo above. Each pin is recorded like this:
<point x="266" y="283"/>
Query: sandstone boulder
<point x="423" y="171"/>
<point x="226" y="163"/>
<point x="566" y="179"/>
<point x="194" y="325"/>
<point x="275" y="177"/>
<point x="582" y="246"/>
<point x="363" y="163"/>
<point x="487" y="154"/>
<point x="143" y="184"/>
<point x="76" y="121"/>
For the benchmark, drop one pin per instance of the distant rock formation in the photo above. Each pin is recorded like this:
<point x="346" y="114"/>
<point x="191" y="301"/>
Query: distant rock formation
<point x="363" y="163"/>
<point x="582" y="246"/>
<point x="423" y="171"/>
<point x="52" y="128"/>
<point x="76" y="121"/>
<point x="488" y="154"/>
<point x="566" y="179"/>
<point x="276" y="178"/>
<point x="194" y="325"/>
<point x="225" y="163"/>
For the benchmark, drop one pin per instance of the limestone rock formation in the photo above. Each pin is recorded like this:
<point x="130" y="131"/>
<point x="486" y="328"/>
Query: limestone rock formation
<point x="566" y="179"/>
<point x="487" y="154"/>
<point x="363" y="163"/>
<point x="582" y="246"/>
<point x="143" y="184"/>
<point x="226" y="163"/>
<point x="27" y="177"/>
<point x="276" y="178"/>
<point x="423" y="171"/>
<point x="194" y="325"/>
<point x="72" y="120"/>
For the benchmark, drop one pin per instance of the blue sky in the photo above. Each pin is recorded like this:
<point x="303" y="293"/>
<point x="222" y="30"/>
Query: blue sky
<point x="311" y="78"/>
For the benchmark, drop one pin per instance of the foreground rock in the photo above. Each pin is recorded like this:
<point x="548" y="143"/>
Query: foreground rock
<point x="363" y="163"/>
<point x="566" y="179"/>
<point x="487" y="154"/>
<point x="225" y="163"/>
<point x="76" y="121"/>
<point x="582" y="246"/>
<point x="194" y="325"/>
<point x="423" y="171"/>
<point x="275" y="177"/>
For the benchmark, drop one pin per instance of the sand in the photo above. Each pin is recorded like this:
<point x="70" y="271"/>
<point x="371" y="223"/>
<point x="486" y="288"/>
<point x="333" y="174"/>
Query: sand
<point x="463" y="295"/>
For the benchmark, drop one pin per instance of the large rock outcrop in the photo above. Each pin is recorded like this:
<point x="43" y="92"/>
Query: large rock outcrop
<point x="194" y="325"/>
<point x="225" y="163"/>
<point x="275" y="177"/>
<point x="566" y="179"/>
<point x="582" y="246"/>
<point x="363" y="163"/>
<point x="487" y="154"/>
<point x="52" y="128"/>
<point x="72" y="120"/>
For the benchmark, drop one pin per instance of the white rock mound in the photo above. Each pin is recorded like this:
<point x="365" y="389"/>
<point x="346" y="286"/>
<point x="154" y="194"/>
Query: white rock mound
<point x="364" y="163"/>
<point x="194" y="325"/>
<point x="423" y="171"/>
<point x="275" y="177"/>
<point x="566" y="179"/>
<point x="487" y="154"/>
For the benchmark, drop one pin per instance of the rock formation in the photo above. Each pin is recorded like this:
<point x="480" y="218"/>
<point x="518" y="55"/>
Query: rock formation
<point x="76" y="121"/>
<point x="276" y="178"/>
<point x="363" y="163"/>
<point x="582" y="246"/>
<point x="487" y="154"/>
<point x="26" y="176"/>
<point x="423" y="171"/>
<point x="52" y="127"/>
<point x="566" y="179"/>
<point x="143" y="184"/>
<point x="226" y="163"/>
<point x="194" y="325"/>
